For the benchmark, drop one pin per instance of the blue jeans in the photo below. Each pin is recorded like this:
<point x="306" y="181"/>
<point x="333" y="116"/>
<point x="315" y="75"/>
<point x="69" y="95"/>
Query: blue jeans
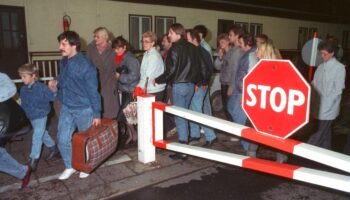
<point x="11" y="166"/>
<point x="197" y="104"/>
<point x="182" y="95"/>
<point x="40" y="136"/>
<point x="234" y="106"/>
<point x="68" y="121"/>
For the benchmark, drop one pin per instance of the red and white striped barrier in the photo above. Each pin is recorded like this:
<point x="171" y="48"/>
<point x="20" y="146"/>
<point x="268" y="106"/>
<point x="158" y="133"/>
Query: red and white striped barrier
<point x="154" y="121"/>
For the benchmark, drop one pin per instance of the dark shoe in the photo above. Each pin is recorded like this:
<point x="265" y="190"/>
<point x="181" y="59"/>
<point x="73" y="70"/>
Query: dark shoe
<point x="33" y="163"/>
<point x="26" y="178"/>
<point x="183" y="142"/>
<point x="53" y="152"/>
<point x="210" y="143"/>
<point x="178" y="156"/>
<point x="194" y="140"/>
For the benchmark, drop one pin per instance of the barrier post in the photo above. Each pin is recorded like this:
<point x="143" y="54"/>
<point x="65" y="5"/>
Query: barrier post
<point x="146" y="150"/>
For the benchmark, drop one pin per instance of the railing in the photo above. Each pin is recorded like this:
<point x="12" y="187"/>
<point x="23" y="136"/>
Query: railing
<point x="47" y="62"/>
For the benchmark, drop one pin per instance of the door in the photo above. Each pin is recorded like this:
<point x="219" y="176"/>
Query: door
<point x="13" y="40"/>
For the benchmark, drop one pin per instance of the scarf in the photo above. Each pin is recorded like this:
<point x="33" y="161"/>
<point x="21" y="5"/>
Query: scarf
<point x="119" y="58"/>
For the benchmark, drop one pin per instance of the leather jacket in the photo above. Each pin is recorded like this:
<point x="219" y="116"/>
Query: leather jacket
<point x="184" y="64"/>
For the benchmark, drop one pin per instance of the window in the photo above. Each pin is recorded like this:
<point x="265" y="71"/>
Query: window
<point x="224" y="25"/>
<point x="162" y="25"/>
<point x="304" y="35"/>
<point x="345" y="40"/>
<point x="138" y="24"/>
<point x="244" y="25"/>
<point x="255" y="29"/>
<point x="9" y="31"/>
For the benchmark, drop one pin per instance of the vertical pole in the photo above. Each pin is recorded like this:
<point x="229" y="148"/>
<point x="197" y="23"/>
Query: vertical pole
<point x="146" y="150"/>
<point x="313" y="56"/>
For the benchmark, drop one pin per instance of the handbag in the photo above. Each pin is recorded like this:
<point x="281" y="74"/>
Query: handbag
<point x="93" y="146"/>
<point x="130" y="111"/>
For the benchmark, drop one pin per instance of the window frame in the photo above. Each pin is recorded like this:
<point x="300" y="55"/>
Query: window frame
<point x="244" y="25"/>
<point x="346" y="39"/>
<point x="164" y="17"/>
<point x="256" y="25"/>
<point x="140" y="34"/>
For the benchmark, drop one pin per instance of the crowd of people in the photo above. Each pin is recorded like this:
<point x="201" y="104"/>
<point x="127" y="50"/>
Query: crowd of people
<point x="101" y="84"/>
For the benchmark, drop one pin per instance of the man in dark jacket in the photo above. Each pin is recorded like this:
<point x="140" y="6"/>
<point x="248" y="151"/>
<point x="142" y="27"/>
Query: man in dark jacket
<point x="182" y="66"/>
<point x="201" y="90"/>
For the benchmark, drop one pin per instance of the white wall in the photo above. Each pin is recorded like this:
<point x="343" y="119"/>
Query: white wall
<point x="44" y="21"/>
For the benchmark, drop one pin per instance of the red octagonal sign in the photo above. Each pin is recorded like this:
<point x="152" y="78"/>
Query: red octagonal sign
<point x="276" y="98"/>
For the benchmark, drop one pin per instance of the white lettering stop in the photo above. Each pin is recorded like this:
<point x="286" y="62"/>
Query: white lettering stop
<point x="290" y="100"/>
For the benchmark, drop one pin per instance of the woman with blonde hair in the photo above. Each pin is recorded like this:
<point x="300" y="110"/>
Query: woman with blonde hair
<point x="152" y="66"/>
<point x="267" y="51"/>
<point x="102" y="55"/>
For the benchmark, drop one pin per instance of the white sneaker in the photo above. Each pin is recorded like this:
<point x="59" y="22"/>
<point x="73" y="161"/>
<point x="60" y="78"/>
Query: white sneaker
<point x="83" y="175"/>
<point x="67" y="173"/>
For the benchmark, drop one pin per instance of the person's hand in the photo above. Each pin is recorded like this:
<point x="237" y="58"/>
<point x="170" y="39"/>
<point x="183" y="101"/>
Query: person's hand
<point x="229" y="92"/>
<point x="220" y="53"/>
<point x="96" y="121"/>
<point x="117" y="75"/>
<point x="195" y="88"/>
<point x="52" y="85"/>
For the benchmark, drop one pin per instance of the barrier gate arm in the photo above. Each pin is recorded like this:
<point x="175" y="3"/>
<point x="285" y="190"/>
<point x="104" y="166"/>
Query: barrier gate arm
<point x="150" y="119"/>
<point x="308" y="175"/>
<point x="324" y="156"/>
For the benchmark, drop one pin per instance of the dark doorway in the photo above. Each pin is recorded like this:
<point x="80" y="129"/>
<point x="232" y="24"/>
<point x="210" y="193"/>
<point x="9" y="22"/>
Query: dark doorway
<point x="13" y="40"/>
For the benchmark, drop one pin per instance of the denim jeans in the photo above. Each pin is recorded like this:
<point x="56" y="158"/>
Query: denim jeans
<point x="234" y="106"/>
<point x="10" y="165"/>
<point x="70" y="120"/>
<point x="197" y="104"/>
<point x="40" y="136"/>
<point x="182" y="95"/>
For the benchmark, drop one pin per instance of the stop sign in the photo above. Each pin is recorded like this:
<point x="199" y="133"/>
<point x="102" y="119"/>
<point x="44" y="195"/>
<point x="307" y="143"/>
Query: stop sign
<point x="276" y="98"/>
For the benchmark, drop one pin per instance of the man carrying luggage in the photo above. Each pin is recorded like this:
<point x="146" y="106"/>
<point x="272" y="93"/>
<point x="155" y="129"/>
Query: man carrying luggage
<point x="78" y="94"/>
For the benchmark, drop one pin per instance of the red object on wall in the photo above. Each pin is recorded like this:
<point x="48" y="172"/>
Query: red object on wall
<point x="66" y="22"/>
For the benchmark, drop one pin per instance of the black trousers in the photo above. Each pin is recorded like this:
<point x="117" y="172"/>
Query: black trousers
<point x="323" y="136"/>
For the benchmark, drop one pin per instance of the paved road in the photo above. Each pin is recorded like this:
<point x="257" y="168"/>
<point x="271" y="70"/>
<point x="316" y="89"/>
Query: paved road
<point x="226" y="182"/>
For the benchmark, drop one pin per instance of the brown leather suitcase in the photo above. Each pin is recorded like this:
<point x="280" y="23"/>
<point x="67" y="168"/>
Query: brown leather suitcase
<point x="90" y="148"/>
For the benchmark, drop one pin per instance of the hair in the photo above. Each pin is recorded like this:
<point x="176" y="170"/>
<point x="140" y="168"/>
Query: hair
<point x="248" y="39"/>
<point x="120" y="42"/>
<point x="267" y="51"/>
<point x="328" y="45"/>
<point x="72" y="38"/>
<point x="201" y="29"/>
<point x="194" y="34"/>
<point x="29" y="69"/>
<point x="103" y="31"/>
<point x="263" y="36"/>
<point x="151" y="35"/>
<point x="222" y="36"/>
<point x="178" y="29"/>
<point x="237" y="30"/>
